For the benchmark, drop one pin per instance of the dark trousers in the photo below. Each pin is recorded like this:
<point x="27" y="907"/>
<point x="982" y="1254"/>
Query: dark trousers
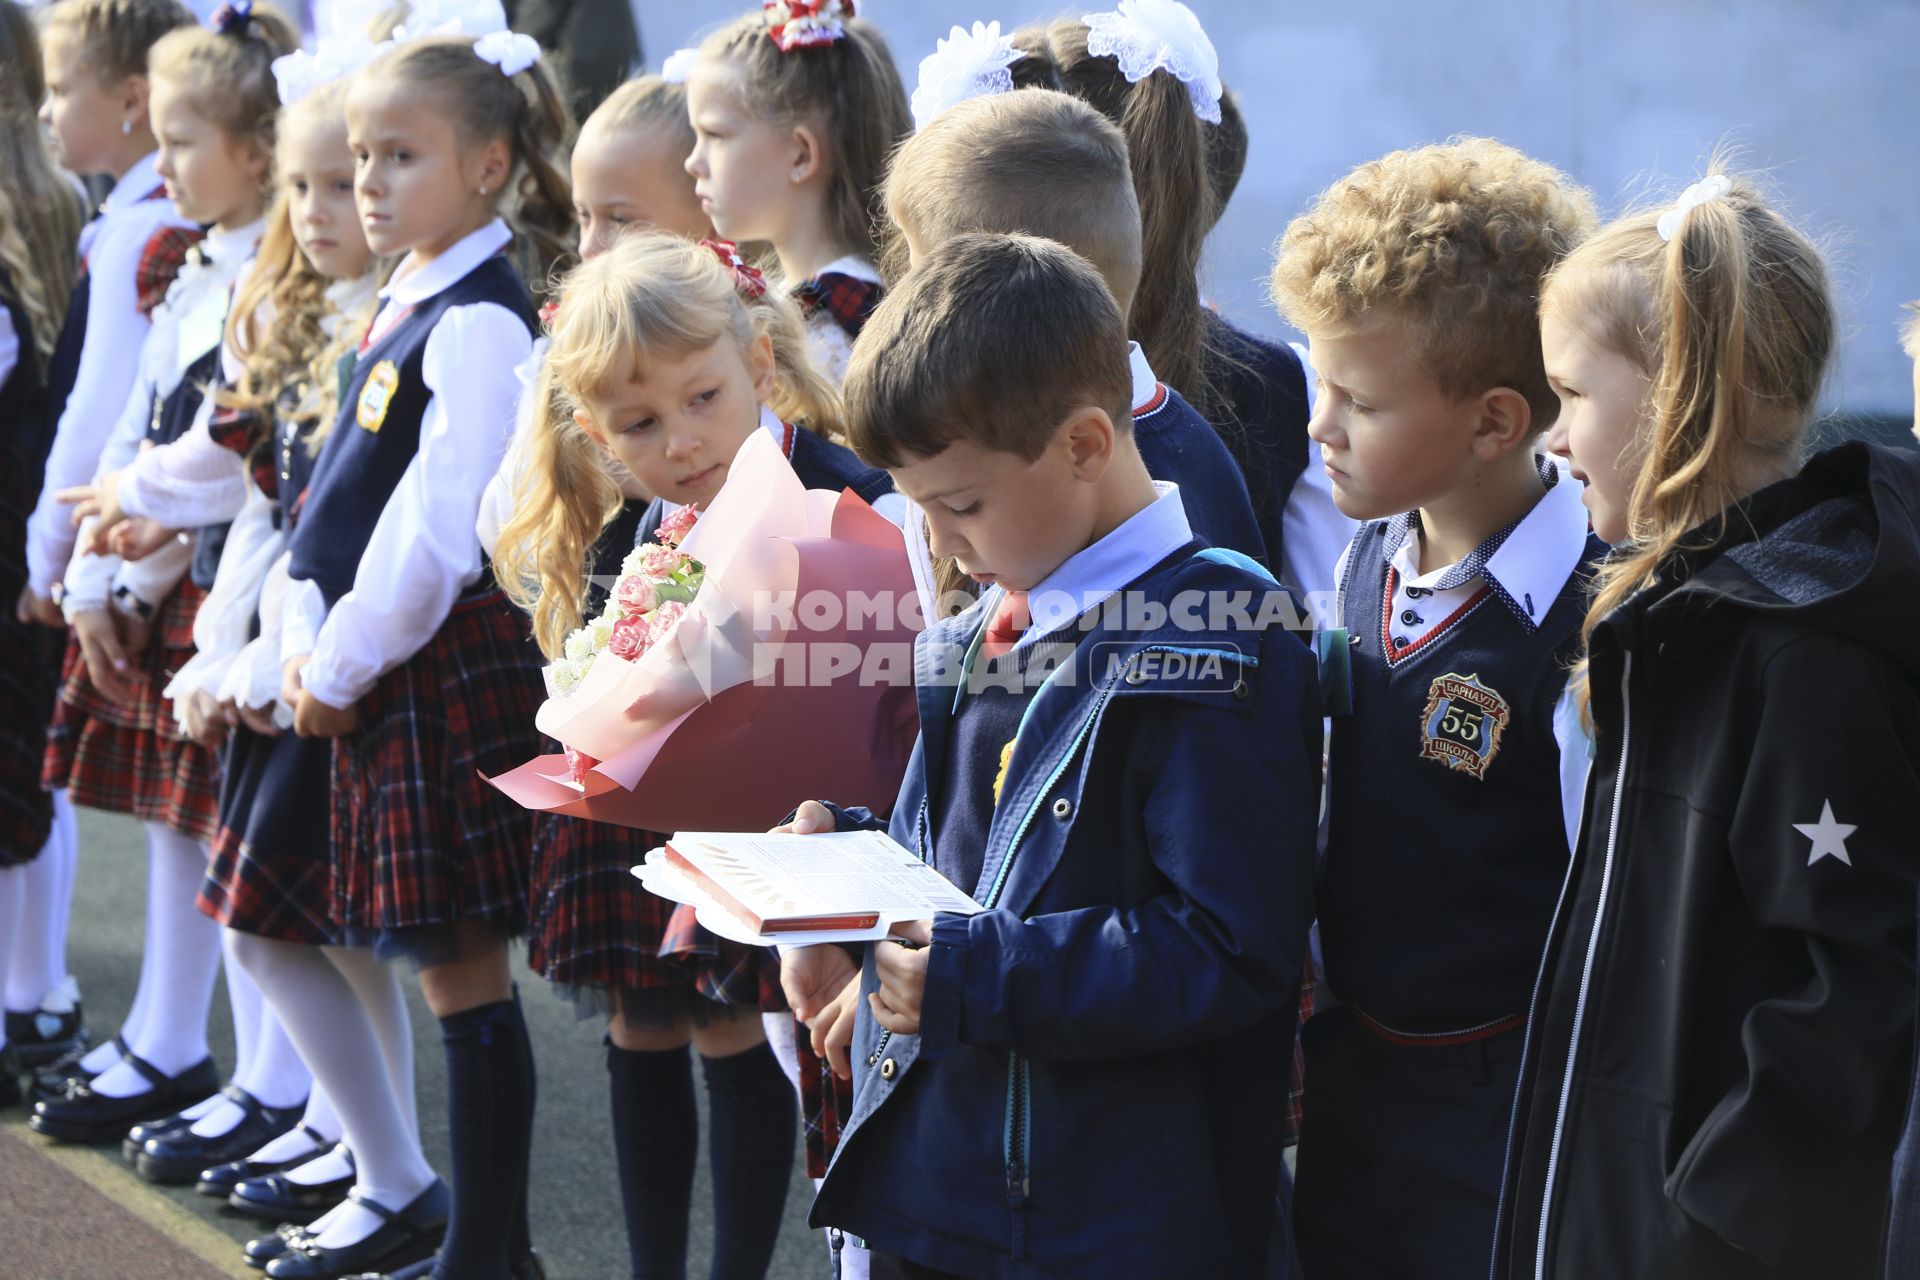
<point x="1401" y="1153"/>
<point x="891" y="1266"/>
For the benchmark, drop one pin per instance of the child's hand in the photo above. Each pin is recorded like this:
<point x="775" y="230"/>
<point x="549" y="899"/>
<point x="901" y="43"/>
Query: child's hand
<point x="290" y="685"/>
<point x="258" y="719"/>
<point x="833" y="1029"/>
<point x="812" y="977"/>
<point x="903" y="977"/>
<point x="100" y="500"/>
<point x="134" y="631"/>
<point x="313" y="718"/>
<point x="41" y="609"/>
<point x="203" y="719"/>
<point x="808" y="819"/>
<point x="100" y="649"/>
<point x="138" y="538"/>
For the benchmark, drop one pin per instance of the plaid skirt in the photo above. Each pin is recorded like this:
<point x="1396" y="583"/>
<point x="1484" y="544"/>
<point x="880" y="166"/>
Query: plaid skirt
<point x="129" y="757"/>
<point x="270" y="869"/>
<point x="595" y="932"/>
<point x="419" y="839"/>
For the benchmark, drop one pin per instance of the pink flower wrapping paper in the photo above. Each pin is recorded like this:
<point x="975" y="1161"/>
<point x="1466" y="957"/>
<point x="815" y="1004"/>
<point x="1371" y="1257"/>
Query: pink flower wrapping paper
<point x="780" y="682"/>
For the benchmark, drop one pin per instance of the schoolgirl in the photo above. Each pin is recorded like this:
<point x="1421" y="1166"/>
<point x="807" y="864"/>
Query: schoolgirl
<point x="414" y="665"/>
<point x="795" y="110"/>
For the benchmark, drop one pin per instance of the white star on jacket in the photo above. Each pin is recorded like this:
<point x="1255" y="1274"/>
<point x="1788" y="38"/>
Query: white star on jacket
<point x="1829" y="837"/>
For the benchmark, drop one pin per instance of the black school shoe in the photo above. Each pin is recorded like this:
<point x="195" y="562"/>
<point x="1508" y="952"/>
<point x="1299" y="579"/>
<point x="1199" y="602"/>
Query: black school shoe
<point x="138" y="1135"/>
<point x="81" y="1115"/>
<point x="51" y="1080"/>
<point x="42" y="1037"/>
<point x="181" y="1155"/>
<point x="220" y="1180"/>
<point x="527" y="1268"/>
<point x="403" y="1238"/>
<point x="277" y="1198"/>
<point x="261" y="1250"/>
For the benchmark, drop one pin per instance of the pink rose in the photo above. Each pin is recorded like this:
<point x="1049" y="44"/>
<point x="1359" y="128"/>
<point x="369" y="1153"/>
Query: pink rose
<point x="635" y="595"/>
<point x="630" y="639"/>
<point x="664" y="620"/>
<point x="661" y="562"/>
<point x="675" y="527"/>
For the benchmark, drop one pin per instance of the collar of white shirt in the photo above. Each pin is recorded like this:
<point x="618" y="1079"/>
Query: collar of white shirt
<point x="135" y="185"/>
<point x="851" y="265"/>
<point x="410" y="286"/>
<point x="1534" y="559"/>
<point x="1145" y="384"/>
<point x="1088" y="577"/>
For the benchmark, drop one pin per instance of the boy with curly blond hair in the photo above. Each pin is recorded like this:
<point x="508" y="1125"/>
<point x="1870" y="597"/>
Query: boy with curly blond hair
<point x="1416" y="279"/>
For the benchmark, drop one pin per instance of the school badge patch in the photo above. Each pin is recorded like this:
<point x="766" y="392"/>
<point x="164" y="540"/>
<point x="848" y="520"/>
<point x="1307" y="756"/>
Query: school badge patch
<point x="1463" y="723"/>
<point x="376" y="395"/>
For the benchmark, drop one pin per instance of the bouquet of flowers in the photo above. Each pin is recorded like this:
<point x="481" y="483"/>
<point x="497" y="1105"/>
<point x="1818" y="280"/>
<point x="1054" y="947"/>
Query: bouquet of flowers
<point x="757" y="655"/>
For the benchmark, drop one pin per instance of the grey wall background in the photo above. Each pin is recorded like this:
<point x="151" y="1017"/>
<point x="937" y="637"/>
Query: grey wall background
<point x="1627" y="95"/>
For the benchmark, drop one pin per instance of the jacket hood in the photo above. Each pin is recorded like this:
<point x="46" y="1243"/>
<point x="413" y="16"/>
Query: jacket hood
<point x="1837" y="547"/>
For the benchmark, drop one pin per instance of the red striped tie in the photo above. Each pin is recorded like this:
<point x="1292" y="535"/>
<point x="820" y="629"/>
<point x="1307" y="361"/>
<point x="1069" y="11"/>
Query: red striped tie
<point x="1009" y="623"/>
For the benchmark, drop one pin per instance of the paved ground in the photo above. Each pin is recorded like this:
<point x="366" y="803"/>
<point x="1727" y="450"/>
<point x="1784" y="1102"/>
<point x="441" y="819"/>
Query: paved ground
<point x="68" y="1213"/>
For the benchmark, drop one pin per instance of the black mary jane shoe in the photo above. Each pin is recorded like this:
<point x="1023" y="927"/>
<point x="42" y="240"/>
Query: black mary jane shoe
<point x="220" y="1180"/>
<point x="51" y="1081"/>
<point x="42" y="1037"/>
<point x="527" y="1268"/>
<point x="261" y="1250"/>
<point x="138" y="1136"/>
<point x="276" y="1197"/>
<point x="181" y="1155"/>
<point x="402" y="1238"/>
<point x="81" y="1115"/>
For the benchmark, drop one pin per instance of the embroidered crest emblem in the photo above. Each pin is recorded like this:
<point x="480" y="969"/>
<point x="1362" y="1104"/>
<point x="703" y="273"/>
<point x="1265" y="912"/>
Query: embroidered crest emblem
<point x="377" y="395"/>
<point x="1463" y="723"/>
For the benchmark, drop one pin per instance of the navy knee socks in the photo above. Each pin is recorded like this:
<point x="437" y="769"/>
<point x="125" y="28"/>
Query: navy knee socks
<point x="654" y="1131"/>
<point x="490" y="1095"/>
<point x="753" y="1117"/>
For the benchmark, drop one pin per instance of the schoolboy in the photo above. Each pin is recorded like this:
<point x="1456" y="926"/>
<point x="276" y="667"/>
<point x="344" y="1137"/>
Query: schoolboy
<point x="1088" y="1077"/>
<point x="1416" y="279"/>
<point x="1047" y="164"/>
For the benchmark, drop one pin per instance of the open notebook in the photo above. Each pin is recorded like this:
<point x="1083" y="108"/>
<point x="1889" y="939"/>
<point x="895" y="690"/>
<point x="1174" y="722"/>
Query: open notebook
<point x="842" y="886"/>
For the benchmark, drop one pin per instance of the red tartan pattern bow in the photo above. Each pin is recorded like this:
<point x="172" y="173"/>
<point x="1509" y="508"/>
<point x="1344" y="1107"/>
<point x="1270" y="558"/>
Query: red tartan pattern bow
<point x="746" y="277"/>
<point x="806" y="24"/>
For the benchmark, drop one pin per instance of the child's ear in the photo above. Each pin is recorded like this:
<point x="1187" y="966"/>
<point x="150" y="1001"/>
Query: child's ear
<point x="492" y="166"/>
<point x="1089" y="442"/>
<point x="1506" y="423"/>
<point x="807" y="153"/>
<point x="761" y="366"/>
<point x="134" y="92"/>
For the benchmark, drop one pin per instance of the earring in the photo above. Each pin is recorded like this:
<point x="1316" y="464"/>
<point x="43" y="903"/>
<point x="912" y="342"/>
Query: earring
<point x="126" y="127"/>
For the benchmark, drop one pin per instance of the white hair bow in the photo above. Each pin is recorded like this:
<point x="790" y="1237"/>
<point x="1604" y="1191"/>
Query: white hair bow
<point x="300" y="73"/>
<point x="510" y="51"/>
<point x="674" y="70"/>
<point x="1146" y="36"/>
<point x="451" y="18"/>
<point x="1711" y="188"/>
<point x="967" y="64"/>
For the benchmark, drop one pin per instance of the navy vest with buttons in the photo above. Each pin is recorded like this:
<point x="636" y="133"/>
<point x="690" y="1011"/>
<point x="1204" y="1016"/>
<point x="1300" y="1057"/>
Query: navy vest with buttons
<point x="173" y="415"/>
<point x="361" y="466"/>
<point x="1446" y="842"/>
<point x="63" y="367"/>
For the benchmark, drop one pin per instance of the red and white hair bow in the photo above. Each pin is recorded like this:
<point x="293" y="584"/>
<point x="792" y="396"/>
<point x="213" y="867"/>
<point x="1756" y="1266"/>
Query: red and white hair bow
<point x="806" y="24"/>
<point x="747" y="279"/>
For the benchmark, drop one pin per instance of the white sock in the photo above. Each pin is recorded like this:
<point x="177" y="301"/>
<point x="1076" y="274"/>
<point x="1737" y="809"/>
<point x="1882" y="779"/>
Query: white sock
<point x="325" y="1167"/>
<point x="34" y="965"/>
<point x="184" y="958"/>
<point x="275" y="1073"/>
<point x="346" y="1002"/>
<point x="243" y="998"/>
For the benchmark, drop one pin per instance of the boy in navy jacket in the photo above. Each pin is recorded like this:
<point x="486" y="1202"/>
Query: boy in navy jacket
<point x="1415" y="279"/>
<point x="1119" y="760"/>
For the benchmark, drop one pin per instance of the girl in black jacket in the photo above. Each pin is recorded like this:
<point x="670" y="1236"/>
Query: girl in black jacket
<point x="1722" y="1028"/>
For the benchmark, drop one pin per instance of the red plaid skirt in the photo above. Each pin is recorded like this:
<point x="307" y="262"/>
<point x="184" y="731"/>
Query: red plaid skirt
<point x="419" y="840"/>
<point x="270" y="868"/>
<point x="129" y="757"/>
<point x="595" y="931"/>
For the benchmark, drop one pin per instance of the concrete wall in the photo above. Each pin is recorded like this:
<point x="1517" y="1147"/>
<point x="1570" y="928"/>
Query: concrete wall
<point x="1624" y="94"/>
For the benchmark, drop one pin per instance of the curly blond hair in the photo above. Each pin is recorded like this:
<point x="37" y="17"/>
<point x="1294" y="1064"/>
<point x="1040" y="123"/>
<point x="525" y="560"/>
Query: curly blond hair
<point x="1910" y="331"/>
<point x="1455" y="238"/>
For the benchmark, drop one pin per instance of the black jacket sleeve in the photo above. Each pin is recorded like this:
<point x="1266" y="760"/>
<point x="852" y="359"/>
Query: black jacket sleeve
<point x="1823" y="845"/>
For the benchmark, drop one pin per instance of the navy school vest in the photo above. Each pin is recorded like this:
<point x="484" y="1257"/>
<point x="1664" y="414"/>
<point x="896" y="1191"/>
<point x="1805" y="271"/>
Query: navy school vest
<point x="1446" y="842"/>
<point x="377" y="432"/>
<point x="173" y="414"/>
